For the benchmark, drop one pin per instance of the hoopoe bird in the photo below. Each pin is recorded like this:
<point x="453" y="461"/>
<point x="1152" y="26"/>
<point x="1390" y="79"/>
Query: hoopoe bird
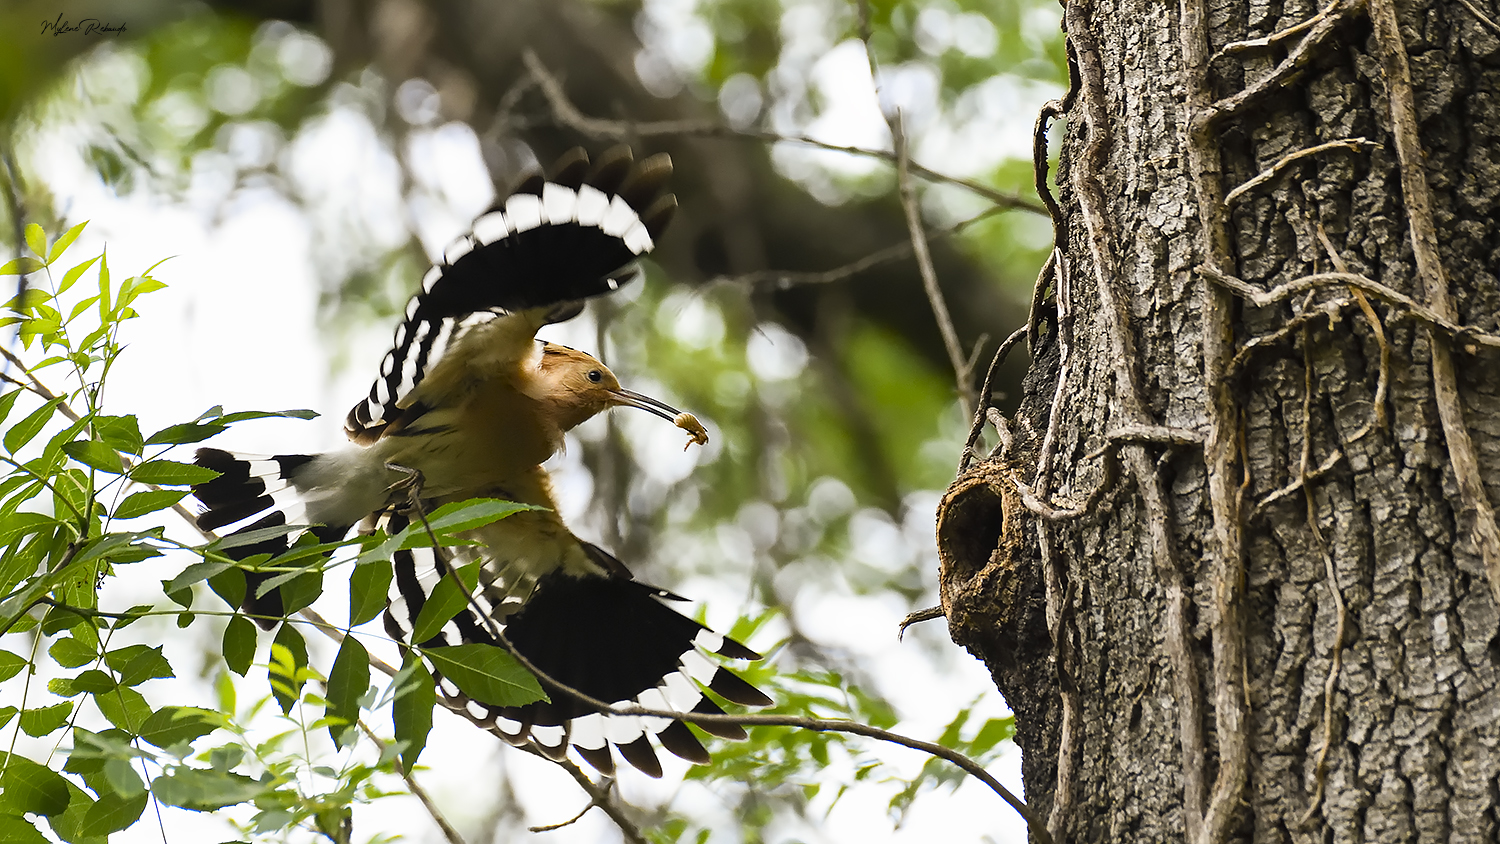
<point x="469" y="403"/>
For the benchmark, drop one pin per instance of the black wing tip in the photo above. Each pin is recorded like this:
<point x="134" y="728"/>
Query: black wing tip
<point x="680" y="742"/>
<point x="642" y="755"/>
<point x="735" y="689"/>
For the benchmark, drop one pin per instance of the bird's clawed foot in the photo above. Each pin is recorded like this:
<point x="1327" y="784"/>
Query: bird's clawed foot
<point x="409" y="487"/>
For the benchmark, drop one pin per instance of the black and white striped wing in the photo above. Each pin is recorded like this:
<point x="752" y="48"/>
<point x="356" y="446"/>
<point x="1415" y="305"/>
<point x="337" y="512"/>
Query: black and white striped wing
<point x="254" y="492"/>
<point x="530" y="260"/>
<point x="605" y="635"/>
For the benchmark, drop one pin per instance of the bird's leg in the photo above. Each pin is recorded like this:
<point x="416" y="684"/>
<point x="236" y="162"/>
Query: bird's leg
<point x="411" y="487"/>
<point x="410" y="484"/>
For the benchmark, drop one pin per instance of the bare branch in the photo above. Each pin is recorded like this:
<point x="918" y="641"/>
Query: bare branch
<point x="1484" y="19"/>
<point x="786" y="279"/>
<point x="415" y="788"/>
<point x="1407" y="305"/>
<point x="568" y="115"/>
<point x="1268" y="42"/>
<point x="1297" y="59"/>
<point x="969" y="766"/>
<point x="1354" y="144"/>
<point x="984" y="396"/>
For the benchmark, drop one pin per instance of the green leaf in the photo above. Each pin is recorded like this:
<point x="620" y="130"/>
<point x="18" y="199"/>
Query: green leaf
<point x="66" y="825"/>
<point x="193" y="574"/>
<point x="173" y="724"/>
<point x="121" y="776"/>
<point x="369" y="590"/>
<point x="95" y="455"/>
<point x="64" y="242"/>
<point x="104" y="290"/>
<point x="7" y="713"/>
<point x="242" y="415"/>
<point x="36" y="240"/>
<point x="71" y="653"/>
<point x="22" y="432"/>
<point x="124" y="547"/>
<point x="93" y="681"/>
<point x="46" y="719"/>
<point x="72" y="276"/>
<point x="286" y="664"/>
<point x="139" y="286"/>
<point x="21" y="266"/>
<point x="297" y="591"/>
<point x="15" y="829"/>
<point x="138" y="663"/>
<point x="28" y="300"/>
<point x="125" y="708"/>
<point x="112" y="813"/>
<point x="230" y="585"/>
<point x="467" y="515"/>
<point x="416" y="695"/>
<point x="139" y="504"/>
<point x="486" y="673"/>
<point x="239" y="644"/>
<point x="171" y="473"/>
<point x="187" y="432"/>
<point x="8" y="401"/>
<point x="122" y="433"/>
<point x="10" y="665"/>
<point x="347" y="682"/>
<point x="32" y="788"/>
<point x="249" y="537"/>
<point x="205" y="790"/>
<point x="446" y="600"/>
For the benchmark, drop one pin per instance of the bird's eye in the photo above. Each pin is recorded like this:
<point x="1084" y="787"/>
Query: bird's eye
<point x="596" y="376"/>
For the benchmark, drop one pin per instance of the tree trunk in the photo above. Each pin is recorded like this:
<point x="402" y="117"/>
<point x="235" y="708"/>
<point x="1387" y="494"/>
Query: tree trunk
<point x="1262" y="420"/>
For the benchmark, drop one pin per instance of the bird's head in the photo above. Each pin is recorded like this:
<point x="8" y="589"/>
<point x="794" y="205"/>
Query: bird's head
<point x="576" y="387"/>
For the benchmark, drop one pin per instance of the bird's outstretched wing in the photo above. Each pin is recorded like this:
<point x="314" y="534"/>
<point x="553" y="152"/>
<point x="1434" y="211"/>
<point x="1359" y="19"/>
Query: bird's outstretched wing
<point x="529" y="261"/>
<point x="597" y="631"/>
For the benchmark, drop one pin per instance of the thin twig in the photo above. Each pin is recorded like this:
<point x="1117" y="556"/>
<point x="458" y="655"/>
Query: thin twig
<point x="576" y="818"/>
<point x="1329" y="310"/>
<point x="568" y="115"/>
<point x="1405" y="304"/>
<point x="916" y="618"/>
<point x="415" y="788"/>
<point x="1418" y="199"/>
<point x="1483" y="18"/>
<point x="1320" y="771"/>
<point x="918" y="236"/>
<point x="1266" y="175"/>
<point x="1383" y="380"/>
<point x="834" y="725"/>
<point x="981" y="412"/>
<point x="1268" y="42"/>
<point x="1297" y="58"/>
<point x="1332" y="460"/>
<point x="786" y="279"/>
<point x="600" y="796"/>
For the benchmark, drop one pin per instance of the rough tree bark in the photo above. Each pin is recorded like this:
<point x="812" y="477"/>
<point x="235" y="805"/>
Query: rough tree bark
<point x="1234" y="562"/>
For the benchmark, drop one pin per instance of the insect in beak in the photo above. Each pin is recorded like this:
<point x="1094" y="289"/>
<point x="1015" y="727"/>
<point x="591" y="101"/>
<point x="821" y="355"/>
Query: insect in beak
<point x="686" y="421"/>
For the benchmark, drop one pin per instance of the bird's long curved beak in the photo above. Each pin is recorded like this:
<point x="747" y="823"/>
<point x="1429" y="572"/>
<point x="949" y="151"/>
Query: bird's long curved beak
<point x="629" y="398"/>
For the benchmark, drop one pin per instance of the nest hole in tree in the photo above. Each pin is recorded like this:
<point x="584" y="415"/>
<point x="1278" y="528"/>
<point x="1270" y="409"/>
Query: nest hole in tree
<point x="969" y="530"/>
